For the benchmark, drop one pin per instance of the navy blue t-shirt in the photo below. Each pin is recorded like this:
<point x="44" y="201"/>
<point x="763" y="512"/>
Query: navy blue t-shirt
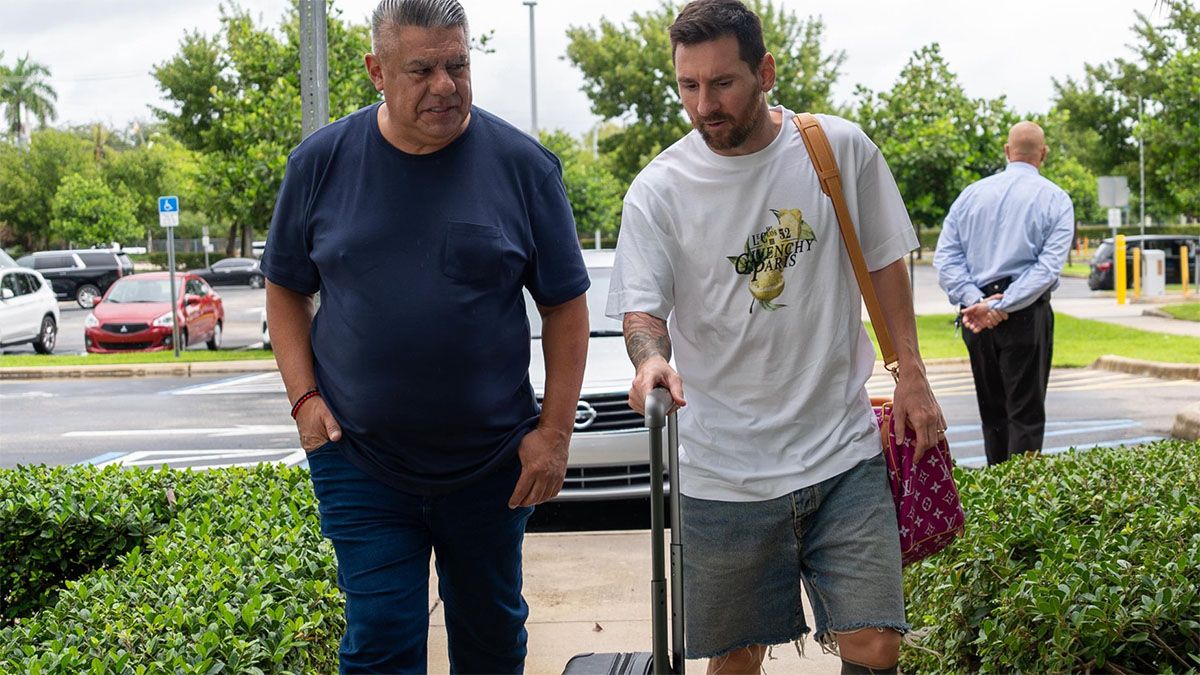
<point x="421" y="343"/>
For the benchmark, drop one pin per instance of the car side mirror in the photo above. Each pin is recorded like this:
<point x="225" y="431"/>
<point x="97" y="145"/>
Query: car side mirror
<point x="7" y="294"/>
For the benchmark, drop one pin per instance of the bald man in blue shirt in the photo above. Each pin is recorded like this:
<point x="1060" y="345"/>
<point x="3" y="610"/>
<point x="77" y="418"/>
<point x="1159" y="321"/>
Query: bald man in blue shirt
<point x="1002" y="248"/>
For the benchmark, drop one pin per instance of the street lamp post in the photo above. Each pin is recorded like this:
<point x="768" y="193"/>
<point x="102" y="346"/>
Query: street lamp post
<point x="532" y="69"/>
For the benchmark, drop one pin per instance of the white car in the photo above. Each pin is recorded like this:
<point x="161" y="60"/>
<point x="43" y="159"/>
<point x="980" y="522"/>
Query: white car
<point x="28" y="307"/>
<point x="610" y="453"/>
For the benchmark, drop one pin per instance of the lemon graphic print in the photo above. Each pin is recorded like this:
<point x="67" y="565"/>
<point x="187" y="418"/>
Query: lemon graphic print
<point x="768" y="254"/>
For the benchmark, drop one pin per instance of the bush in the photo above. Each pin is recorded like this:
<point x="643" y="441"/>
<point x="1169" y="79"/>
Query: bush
<point x="1087" y="562"/>
<point x="183" y="261"/>
<point x="239" y="579"/>
<point x="57" y="524"/>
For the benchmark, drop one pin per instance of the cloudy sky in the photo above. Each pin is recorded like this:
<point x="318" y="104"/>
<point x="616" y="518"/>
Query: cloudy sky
<point x="100" y="52"/>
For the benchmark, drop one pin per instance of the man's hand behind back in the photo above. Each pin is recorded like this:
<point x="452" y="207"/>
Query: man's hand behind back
<point x="980" y="317"/>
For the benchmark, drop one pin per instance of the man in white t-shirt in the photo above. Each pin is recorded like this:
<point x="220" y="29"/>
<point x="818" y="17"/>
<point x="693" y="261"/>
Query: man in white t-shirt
<point x="730" y="256"/>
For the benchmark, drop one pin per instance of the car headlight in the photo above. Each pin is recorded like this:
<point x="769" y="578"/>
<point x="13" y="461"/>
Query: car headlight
<point x="164" y="320"/>
<point x="91" y="321"/>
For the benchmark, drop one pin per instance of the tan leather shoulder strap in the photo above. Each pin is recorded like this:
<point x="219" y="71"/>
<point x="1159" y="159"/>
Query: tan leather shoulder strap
<point x="825" y="163"/>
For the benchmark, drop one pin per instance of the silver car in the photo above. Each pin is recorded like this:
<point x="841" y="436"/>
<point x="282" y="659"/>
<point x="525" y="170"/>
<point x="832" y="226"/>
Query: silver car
<point x="609" y="449"/>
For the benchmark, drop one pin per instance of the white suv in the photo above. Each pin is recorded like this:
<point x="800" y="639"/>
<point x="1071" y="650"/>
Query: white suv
<point x="610" y="453"/>
<point x="28" y="307"/>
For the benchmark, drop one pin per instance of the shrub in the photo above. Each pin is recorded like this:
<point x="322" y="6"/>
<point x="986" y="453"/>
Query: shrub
<point x="183" y="261"/>
<point x="1087" y="562"/>
<point x="240" y="580"/>
<point x="59" y="523"/>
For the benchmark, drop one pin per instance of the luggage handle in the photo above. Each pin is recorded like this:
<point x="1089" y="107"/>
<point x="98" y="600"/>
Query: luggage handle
<point x="658" y="405"/>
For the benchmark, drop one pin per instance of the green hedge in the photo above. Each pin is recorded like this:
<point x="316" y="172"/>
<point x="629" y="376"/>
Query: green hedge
<point x="240" y="580"/>
<point x="1075" y="563"/>
<point x="1087" y="562"/>
<point x="59" y="523"/>
<point x="183" y="261"/>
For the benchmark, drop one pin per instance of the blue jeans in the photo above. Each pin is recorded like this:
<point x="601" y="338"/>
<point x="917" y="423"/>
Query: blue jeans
<point x="743" y="563"/>
<point x="383" y="539"/>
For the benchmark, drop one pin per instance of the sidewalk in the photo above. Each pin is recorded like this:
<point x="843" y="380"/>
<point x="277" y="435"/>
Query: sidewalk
<point x="578" y="582"/>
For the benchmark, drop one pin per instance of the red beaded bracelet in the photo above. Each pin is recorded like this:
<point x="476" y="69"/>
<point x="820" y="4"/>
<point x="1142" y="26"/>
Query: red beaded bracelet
<point x="303" y="397"/>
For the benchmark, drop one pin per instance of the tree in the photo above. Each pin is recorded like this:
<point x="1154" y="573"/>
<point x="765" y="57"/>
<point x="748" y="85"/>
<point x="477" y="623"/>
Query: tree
<point x="1164" y="73"/>
<point x="629" y="76"/>
<point x="936" y="139"/>
<point x="238" y="99"/>
<point x="29" y="179"/>
<point x="24" y="92"/>
<point x="87" y="212"/>
<point x="594" y="193"/>
<point x="143" y="173"/>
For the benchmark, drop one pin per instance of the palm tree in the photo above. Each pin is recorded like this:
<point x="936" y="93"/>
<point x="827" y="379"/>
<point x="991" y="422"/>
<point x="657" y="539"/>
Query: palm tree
<point x="24" y="92"/>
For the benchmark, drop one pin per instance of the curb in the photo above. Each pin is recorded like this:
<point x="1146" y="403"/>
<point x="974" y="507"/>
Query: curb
<point x="1164" y="371"/>
<point x="1187" y="423"/>
<point x="189" y="369"/>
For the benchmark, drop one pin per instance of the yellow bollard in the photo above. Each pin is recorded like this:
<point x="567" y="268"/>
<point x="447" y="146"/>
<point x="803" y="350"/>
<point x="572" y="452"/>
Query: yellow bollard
<point x="1184" y="264"/>
<point x="1119" y="268"/>
<point x="1137" y="273"/>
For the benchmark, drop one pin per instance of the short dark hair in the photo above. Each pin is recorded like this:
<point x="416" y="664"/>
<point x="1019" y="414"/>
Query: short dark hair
<point x="704" y="20"/>
<point x="419" y="13"/>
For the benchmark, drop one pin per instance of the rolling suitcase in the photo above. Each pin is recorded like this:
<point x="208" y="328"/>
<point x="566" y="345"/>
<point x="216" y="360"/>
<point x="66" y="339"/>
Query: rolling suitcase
<point x="659" y="661"/>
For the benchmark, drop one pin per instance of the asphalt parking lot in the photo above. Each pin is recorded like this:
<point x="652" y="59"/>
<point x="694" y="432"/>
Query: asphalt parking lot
<point x="243" y="315"/>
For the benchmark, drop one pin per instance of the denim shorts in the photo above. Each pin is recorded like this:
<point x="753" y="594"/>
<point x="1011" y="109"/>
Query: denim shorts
<point x="743" y="563"/>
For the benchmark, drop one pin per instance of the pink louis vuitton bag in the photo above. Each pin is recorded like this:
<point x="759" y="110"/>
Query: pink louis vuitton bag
<point x="929" y="514"/>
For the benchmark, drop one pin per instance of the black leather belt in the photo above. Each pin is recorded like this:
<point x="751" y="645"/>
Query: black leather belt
<point x="1000" y="285"/>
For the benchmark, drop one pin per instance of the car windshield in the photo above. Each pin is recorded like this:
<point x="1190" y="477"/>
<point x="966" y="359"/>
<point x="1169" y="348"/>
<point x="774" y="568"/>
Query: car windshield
<point x="141" y="290"/>
<point x="6" y="260"/>
<point x="597" y="298"/>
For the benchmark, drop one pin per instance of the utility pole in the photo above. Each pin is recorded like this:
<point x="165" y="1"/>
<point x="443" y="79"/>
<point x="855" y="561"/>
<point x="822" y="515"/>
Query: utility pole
<point x="314" y="67"/>
<point x="1141" y="170"/>
<point x="532" y="69"/>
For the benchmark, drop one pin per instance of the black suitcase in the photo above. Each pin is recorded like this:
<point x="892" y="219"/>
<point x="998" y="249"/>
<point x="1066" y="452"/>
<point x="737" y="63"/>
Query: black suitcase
<point x="659" y="661"/>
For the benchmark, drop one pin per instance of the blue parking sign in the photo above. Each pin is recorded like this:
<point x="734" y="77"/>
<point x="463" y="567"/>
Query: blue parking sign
<point x="168" y="211"/>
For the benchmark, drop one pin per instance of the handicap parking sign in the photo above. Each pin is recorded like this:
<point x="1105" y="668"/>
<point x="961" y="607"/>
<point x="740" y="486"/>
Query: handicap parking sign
<point x="168" y="211"/>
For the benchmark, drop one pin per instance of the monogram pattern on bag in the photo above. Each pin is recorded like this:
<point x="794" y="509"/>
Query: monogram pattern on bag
<point x="929" y="514"/>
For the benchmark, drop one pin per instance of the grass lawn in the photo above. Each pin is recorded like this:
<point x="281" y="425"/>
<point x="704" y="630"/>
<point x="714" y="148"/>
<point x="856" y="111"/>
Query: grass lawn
<point x="34" y="360"/>
<point x="1079" y="270"/>
<point x="1188" y="312"/>
<point x="1077" y="342"/>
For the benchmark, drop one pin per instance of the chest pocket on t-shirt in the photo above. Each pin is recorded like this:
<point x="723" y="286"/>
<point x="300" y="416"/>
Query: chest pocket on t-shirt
<point x="472" y="251"/>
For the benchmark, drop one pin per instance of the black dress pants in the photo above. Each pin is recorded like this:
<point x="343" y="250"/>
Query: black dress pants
<point x="1011" y="365"/>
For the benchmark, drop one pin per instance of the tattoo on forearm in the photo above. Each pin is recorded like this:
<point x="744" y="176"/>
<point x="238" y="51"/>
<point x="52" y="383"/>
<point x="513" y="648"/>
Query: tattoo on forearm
<point x="646" y="336"/>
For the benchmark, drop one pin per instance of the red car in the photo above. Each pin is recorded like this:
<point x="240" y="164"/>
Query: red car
<point x="135" y="314"/>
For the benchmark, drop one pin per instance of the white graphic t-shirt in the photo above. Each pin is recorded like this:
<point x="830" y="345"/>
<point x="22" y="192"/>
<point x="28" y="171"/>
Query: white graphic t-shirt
<point x="743" y="258"/>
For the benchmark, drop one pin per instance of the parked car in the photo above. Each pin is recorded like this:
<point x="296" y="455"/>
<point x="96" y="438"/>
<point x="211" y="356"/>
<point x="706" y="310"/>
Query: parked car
<point x="135" y="314"/>
<point x="81" y="275"/>
<point x="609" y="456"/>
<point x="1101" y="276"/>
<point x="28" y="308"/>
<point x="233" y="272"/>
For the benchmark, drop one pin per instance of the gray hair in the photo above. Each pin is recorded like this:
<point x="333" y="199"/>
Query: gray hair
<point x="419" y="13"/>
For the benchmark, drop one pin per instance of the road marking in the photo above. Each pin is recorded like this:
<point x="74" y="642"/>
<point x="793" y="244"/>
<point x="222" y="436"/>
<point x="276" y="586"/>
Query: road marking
<point x="101" y="459"/>
<point x="202" y="459"/>
<point x="961" y="384"/>
<point x="1117" y="425"/>
<point x="240" y="430"/>
<point x="232" y="385"/>
<point x="28" y="394"/>
<point x="980" y="462"/>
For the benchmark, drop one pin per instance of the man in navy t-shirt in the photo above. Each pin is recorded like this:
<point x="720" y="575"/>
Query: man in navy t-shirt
<point x="420" y="220"/>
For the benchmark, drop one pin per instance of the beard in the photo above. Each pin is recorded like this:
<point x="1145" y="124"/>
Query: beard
<point x="739" y="128"/>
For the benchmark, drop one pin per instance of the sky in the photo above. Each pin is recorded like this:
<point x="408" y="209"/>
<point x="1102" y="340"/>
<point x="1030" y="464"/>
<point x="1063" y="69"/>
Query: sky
<point x="100" y="52"/>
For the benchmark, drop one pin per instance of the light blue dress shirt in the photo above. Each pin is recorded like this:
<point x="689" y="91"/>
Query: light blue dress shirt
<point x="1013" y="224"/>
